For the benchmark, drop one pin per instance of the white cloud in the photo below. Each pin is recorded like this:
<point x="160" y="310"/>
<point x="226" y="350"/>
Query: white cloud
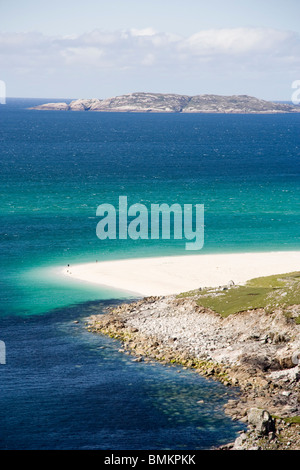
<point x="82" y="55"/>
<point x="233" y="52"/>
<point x="135" y="45"/>
<point x="237" y="41"/>
<point x="143" y="32"/>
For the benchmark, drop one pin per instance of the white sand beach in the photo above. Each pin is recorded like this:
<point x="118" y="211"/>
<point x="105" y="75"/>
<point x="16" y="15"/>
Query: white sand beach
<point x="176" y="274"/>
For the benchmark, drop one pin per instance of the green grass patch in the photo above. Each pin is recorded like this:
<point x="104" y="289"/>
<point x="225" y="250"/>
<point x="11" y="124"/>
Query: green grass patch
<point x="191" y="293"/>
<point x="236" y="300"/>
<point x="265" y="292"/>
<point x="293" y="420"/>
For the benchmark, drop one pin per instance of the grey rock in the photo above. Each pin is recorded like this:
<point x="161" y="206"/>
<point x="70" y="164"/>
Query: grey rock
<point x="53" y="107"/>
<point x="230" y="284"/>
<point x="173" y="103"/>
<point x="261" y="420"/>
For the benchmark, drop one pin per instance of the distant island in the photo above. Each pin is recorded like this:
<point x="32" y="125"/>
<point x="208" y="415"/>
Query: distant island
<point x="173" y="103"/>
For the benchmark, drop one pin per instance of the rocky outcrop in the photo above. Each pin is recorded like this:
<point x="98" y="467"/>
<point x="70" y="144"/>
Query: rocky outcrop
<point x="54" y="107"/>
<point x="173" y="103"/>
<point x="250" y="350"/>
<point x="266" y="433"/>
<point x="234" y="104"/>
<point x="261" y="421"/>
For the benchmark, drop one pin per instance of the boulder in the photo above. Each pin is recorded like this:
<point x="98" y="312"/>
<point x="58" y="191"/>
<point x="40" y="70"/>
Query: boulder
<point x="261" y="421"/>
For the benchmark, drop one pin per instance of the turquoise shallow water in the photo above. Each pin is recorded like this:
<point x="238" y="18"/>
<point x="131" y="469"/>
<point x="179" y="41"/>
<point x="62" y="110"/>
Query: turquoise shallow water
<point x="56" y="168"/>
<point x="63" y="387"/>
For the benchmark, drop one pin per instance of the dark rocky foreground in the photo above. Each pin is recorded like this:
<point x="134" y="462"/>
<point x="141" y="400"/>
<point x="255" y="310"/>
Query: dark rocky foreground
<point x="172" y="103"/>
<point x="255" y="350"/>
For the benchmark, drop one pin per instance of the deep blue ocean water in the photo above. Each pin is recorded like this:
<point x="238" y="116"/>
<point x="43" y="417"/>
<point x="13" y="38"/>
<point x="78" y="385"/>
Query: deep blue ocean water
<point x="59" y="387"/>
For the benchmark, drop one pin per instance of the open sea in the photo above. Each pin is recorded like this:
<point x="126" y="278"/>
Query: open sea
<point x="63" y="387"/>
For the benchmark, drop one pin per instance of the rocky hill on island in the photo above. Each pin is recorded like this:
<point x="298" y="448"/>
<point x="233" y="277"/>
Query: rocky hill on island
<point x="173" y="103"/>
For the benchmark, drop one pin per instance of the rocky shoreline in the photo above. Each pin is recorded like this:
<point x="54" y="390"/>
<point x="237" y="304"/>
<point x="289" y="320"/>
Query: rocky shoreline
<point x="254" y="350"/>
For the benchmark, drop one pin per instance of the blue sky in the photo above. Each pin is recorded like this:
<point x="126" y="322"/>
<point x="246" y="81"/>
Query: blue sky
<point x="73" y="49"/>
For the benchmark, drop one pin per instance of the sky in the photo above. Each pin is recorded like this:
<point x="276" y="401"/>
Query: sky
<point x="99" y="49"/>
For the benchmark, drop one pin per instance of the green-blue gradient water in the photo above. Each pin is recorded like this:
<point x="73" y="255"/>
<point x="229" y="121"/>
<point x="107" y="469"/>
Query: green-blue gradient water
<point x="56" y="168"/>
